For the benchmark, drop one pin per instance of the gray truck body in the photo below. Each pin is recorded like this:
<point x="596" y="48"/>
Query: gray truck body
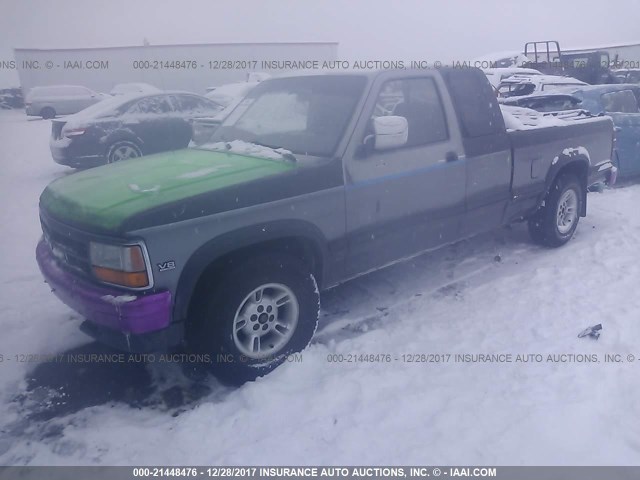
<point x="357" y="210"/>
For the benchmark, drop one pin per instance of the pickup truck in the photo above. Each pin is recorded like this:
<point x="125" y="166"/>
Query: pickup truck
<point x="309" y="182"/>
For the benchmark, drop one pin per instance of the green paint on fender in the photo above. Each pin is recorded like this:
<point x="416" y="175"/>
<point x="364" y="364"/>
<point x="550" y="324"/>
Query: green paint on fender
<point x="104" y="197"/>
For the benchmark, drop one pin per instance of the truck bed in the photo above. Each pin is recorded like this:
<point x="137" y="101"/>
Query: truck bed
<point x="540" y="140"/>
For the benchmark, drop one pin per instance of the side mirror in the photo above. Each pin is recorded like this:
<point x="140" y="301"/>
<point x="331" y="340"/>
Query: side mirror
<point x="389" y="132"/>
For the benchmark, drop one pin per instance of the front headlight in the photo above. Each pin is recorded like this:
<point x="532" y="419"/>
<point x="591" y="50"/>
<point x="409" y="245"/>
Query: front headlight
<point x="120" y="265"/>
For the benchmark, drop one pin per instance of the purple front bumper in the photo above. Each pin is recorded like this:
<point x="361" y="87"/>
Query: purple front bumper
<point x="122" y="311"/>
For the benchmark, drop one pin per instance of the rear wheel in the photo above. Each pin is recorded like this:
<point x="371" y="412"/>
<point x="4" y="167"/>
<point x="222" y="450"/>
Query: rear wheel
<point x="251" y="317"/>
<point x="555" y="223"/>
<point x="47" y="113"/>
<point x="123" y="150"/>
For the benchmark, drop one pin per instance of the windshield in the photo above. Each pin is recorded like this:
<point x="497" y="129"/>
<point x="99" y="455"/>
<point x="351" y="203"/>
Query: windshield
<point x="305" y="115"/>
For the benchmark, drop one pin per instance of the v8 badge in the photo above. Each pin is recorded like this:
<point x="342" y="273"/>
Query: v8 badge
<point x="168" y="265"/>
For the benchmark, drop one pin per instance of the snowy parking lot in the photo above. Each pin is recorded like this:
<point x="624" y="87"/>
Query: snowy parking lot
<point x="466" y="355"/>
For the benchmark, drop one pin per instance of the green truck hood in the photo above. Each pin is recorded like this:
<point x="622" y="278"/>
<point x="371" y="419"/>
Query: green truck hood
<point x="104" y="197"/>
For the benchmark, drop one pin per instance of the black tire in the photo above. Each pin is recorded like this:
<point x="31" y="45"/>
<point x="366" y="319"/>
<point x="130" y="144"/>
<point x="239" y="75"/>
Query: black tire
<point x="47" y="113"/>
<point x="211" y="326"/>
<point x="115" y="152"/>
<point x="545" y="226"/>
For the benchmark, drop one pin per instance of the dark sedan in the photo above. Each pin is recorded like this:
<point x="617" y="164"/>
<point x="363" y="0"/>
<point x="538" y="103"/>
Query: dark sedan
<point x="128" y="126"/>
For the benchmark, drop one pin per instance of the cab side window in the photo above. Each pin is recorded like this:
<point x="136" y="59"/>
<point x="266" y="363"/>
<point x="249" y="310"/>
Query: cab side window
<point x="417" y="100"/>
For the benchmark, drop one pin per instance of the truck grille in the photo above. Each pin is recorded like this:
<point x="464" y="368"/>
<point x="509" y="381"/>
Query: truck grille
<point x="70" y="252"/>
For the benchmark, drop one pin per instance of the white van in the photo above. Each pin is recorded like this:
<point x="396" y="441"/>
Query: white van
<point x="47" y="102"/>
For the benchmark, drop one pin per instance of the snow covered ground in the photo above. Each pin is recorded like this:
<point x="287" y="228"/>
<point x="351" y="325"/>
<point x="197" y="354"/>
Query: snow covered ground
<point x="495" y="294"/>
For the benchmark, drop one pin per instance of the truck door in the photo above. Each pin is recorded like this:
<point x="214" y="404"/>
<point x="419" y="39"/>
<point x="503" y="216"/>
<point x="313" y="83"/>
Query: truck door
<point x="487" y="149"/>
<point x="408" y="199"/>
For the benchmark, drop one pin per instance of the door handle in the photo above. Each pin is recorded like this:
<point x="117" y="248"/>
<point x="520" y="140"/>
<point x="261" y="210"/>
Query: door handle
<point x="451" y="156"/>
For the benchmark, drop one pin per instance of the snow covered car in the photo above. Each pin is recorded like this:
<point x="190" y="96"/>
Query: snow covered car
<point x="225" y="248"/>
<point x="133" y="89"/>
<point x="497" y="75"/>
<point x="47" y="102"/>
<point x="518" y="85"/>
<point x="127" y="126"/>
<point x="621" y="102"/>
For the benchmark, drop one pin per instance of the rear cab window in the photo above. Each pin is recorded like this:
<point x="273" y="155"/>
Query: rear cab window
<point x="476" y="105"/>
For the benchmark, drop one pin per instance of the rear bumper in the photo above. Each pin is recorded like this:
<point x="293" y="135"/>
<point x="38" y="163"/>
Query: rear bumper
<point x="605" y="173"/>
<point x="70" y="156"/>
<point x="120" y="319"/>
<point x="76" y="153"/>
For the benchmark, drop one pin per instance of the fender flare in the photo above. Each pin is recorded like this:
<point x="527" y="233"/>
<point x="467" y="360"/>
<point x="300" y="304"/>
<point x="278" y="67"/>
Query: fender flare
<point x="575" y="161"/>
<point x="245" y="237"/>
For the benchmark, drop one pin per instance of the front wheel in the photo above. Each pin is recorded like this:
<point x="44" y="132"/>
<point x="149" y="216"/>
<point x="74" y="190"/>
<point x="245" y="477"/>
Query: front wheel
<point x="251" y="318"/>
<point x="556" y="222"/>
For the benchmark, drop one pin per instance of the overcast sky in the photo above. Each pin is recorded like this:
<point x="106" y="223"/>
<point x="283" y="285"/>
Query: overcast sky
<point x="366" y="29"/>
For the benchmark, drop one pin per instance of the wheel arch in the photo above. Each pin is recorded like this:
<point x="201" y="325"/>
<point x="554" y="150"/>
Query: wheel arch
<point x="122" y="135"/>
<point x="575" y="164"/>
<point x="299" y="238"/>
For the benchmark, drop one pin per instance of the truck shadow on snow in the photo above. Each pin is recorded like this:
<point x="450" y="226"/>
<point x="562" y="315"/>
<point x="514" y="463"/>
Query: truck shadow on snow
<point x="61" y="388"/>
<point x="93" y="374"/>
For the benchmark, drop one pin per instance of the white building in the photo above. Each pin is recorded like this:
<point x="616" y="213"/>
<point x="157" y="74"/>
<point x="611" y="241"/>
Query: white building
<point x="171" y="67"/>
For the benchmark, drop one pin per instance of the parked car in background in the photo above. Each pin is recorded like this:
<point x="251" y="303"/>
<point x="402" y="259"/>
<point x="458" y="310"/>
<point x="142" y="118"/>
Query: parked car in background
<point x="227" y="94"/>
<point x="496" y="75"/>
<point x="133" y="88"/>
<point x="622" y="103"/>
<point x="628" y="75"/>
<point x="518" y="85"/>
<point x="127" y="126"/>
<point x="47" y="102"/>
<point x="11" y="97"/>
